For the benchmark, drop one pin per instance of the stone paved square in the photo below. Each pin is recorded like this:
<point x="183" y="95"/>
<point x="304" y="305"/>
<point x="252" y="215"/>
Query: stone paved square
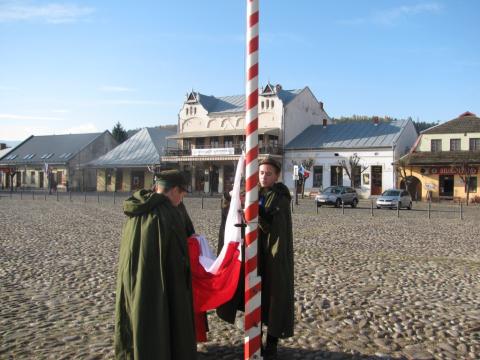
<point x="366" y="287"/>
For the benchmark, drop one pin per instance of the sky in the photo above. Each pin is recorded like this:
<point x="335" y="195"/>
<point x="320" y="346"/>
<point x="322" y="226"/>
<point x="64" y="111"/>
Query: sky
<point x="82" y="66"/>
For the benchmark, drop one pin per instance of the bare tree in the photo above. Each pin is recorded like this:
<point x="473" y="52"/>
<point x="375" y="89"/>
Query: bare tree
<point x="352" y="165"/>
<point x="401" y="169"/>
<point x="463" y="170"/>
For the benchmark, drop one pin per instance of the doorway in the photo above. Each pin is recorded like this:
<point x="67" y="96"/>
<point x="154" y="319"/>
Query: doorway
<point x="446" y="185"/>
<point x="376" y="180"/>
<point x="138" y="180"/>
<point x="118" y="180"/>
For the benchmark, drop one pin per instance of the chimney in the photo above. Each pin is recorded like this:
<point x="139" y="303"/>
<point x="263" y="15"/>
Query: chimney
<point x="321" y="105"/>
<point x="3" y="146"/>
<point x="375" y="120"/>
<point x="324" y="123"/>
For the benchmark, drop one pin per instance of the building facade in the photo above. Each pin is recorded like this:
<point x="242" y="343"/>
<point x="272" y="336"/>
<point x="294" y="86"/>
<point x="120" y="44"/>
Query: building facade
<point x="445" y="161"/>
<point x="211" y="131"/>
<point x="55" y="162"/>
<point x="131" y="165"/>
<point x="375" y="144"/>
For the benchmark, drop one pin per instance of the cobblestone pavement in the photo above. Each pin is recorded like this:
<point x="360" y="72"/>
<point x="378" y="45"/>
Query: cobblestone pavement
<point x="365" y="287"/>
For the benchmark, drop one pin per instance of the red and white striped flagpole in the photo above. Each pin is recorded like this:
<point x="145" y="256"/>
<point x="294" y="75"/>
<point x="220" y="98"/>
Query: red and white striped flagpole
<point x="253" y="284"/>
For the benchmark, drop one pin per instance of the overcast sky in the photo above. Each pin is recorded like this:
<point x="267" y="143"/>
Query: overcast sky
<point x="81" y="66"/>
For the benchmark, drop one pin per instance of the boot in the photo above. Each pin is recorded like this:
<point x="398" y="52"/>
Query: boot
<point x="270" y="351"/>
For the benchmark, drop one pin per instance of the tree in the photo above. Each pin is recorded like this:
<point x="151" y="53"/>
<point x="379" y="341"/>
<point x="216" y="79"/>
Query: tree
<point x="353" y="168"/>
<point x="463" y="170"/>
<point x="401" y="170"/>
<point x="422" y="125"/>
<point x="119" y="133"/>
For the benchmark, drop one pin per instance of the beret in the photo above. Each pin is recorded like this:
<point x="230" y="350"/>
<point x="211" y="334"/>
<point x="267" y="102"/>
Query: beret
<point x="172" y="178"/>
<point x="271" y="161"/>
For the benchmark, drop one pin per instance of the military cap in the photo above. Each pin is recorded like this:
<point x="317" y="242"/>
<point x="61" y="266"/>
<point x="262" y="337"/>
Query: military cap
<point x="271" y="161"/>
<point x="172" y="178"/>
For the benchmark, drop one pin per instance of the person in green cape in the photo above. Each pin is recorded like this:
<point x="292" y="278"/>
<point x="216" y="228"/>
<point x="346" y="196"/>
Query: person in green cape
<point x="154" y="309"/>
<point x="275" y="259"/>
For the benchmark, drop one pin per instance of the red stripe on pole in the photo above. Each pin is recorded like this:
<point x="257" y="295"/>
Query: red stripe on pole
<point x="252" y="101"/>
<point x="250" y="265"/>
<point x="252" y="318"/>
<point x="253" y="291"/>
<point x="252" y="126"/>
<point x="253" y="71"/>
<point x="251" y="182"/>
<point x="254" y="346"/>
<point x="251" y="155"/>
<point x="253" y="19"/>
<point x="253" y="45"/>
<point x="250" y="214"/>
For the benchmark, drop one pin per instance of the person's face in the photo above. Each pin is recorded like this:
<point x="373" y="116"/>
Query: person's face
<point x="267" y="175"/>
<point x="176" y="195"/>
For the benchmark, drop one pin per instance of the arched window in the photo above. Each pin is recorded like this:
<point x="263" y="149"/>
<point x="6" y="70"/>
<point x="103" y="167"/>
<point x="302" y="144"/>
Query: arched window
<point x="186" y="110"/>
<point x="195" y="110"/>
<point x="271" y="104"/>
<point x="263" y="104"/>
<point x="267" y="103"/>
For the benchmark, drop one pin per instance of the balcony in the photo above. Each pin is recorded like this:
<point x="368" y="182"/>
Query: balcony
<point x="237" y="150"/>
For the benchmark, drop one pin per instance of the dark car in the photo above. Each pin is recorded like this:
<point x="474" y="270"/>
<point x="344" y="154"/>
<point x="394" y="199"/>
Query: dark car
<point x="335" y="195"/>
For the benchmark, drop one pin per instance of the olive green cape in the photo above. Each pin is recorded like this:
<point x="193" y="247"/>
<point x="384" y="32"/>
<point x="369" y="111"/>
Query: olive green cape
<point x="275" y="264"/>
<point x="153" y="310"/>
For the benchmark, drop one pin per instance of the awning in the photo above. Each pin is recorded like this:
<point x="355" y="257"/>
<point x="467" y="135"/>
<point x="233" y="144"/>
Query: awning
<point x="227" y="132"/>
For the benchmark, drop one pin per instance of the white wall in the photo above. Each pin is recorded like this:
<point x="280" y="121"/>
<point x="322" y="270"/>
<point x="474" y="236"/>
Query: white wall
<point x="327" y="158"/>
<point x="304" y="110"/>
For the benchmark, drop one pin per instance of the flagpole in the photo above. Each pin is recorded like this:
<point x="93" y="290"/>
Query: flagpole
<point x="253" y="285"/>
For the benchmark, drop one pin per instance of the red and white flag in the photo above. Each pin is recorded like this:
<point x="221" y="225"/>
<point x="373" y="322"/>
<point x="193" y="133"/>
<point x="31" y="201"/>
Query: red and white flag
<point x="214" y="280"/>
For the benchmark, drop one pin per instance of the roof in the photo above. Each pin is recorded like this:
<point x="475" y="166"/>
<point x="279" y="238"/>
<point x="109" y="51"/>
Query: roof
<point x="236" y="103"/>
<point x="466" y="123"/>
<point x="442" y="157"/>
<point x="4" y="152"/>
<point x="51" y="149"/>
<point x="143" y="148"/>
<point x="349" y="135"/>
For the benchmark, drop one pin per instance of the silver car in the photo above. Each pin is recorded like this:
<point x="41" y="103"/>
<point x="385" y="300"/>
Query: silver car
<point x="335" y="195"/>
<point x="393" y="198"/>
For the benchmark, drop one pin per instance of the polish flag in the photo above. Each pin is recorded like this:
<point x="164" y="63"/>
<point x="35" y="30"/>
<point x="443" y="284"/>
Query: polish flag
<point x="215" y="279"/>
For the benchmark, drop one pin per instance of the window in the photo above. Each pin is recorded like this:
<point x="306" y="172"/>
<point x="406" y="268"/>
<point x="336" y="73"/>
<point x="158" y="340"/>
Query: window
<point x="356" y="177"/>
<point x="214" y="143"/>
<point x="455" y="144"/>
<point x="436" y="145"/>
<point x="472" y="184"/>
<point x="59" y="177"/>
<point x="263" y="104"/>
<point x="267" y="103"/>
<point x="186" y="110"/>
<point x="318" y="176"/>
<point x="24" y="177"/>
<point x="336" y="176"/>
<point x="228" y="141"/>
<point x="272" y="103"/>
<point x="475" y="144"/>
<point x="108" y="177"/>
<point x="32" y="177"/>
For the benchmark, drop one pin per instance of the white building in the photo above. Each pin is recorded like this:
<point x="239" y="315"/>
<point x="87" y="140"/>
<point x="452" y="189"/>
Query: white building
<point x="211" y="132"/>
<point x="377" y="144"/>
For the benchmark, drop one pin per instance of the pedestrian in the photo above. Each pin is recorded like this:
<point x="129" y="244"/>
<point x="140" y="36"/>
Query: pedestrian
<point x="154" y="310"/>
<point x="275" y="256"/>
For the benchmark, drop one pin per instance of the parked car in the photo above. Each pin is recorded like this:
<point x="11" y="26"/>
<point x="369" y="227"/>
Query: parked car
<point x="395" y="197"/>
<point x="335" y="195"/>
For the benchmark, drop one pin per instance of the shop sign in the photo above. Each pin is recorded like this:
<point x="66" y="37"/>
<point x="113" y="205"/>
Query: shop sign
<point x="213" y="151"/>
<point x="446" y="170"/>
